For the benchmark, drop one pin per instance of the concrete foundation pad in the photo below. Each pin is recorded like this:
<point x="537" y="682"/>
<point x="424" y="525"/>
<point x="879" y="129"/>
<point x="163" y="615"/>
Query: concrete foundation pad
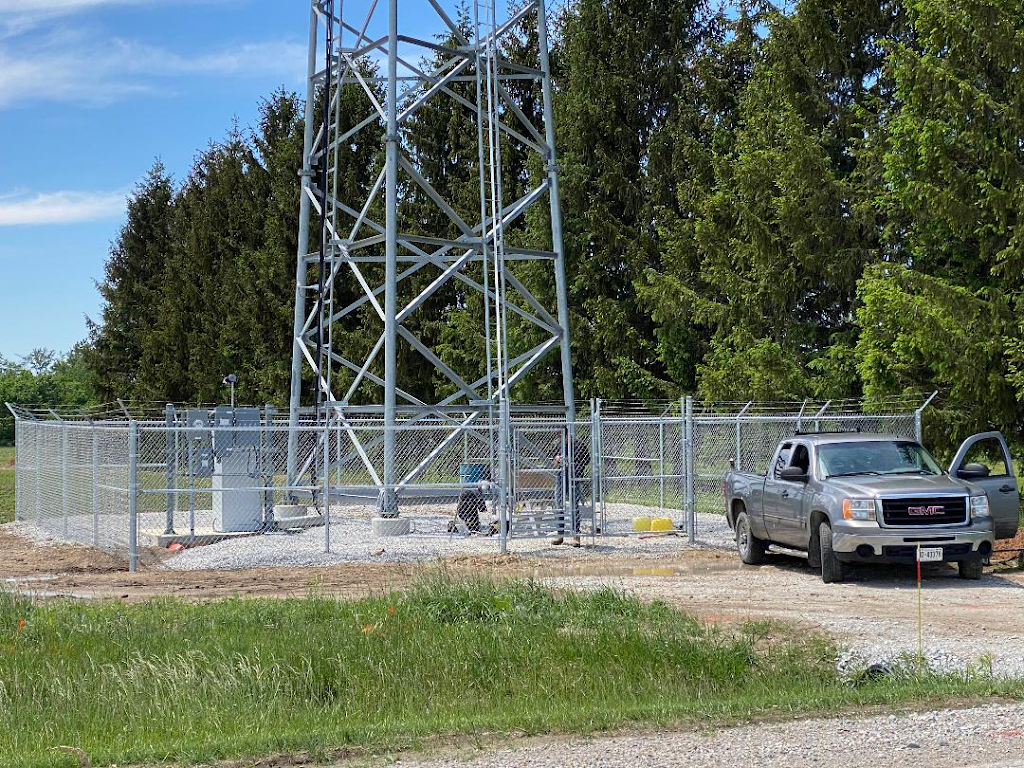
<point x="306" y="521"/>
<point x="295" y="516"/>
<point x="201" y="537"/>
<point x="391" y="526"/>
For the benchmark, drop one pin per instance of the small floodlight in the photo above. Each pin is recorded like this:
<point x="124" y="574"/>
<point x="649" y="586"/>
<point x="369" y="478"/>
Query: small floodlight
<point x="230" y="379"/>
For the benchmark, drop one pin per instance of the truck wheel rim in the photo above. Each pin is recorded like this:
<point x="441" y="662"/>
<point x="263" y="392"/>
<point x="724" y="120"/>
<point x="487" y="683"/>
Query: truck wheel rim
<point x="742" y="537"/>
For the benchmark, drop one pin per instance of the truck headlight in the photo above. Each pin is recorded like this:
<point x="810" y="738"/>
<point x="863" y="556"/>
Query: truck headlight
<point x="979" y="506"/>
<point x="859" y="509"/>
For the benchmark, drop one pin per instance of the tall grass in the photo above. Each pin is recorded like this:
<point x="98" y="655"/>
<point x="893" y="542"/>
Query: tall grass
<point x="168" y="680"/>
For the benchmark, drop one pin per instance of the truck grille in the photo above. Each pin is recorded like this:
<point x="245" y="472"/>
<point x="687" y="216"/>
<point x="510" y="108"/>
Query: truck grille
<point x="941" y="510"/>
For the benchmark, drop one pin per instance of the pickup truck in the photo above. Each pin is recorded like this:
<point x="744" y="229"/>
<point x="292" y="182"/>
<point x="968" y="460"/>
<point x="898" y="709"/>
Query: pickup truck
<point x="857" y="497"/>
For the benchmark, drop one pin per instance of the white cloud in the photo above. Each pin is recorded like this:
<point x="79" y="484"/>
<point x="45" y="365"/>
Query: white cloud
<point x="60" y="207"/>
<point x="17" y="16"/>
<point x="70" y="67"/>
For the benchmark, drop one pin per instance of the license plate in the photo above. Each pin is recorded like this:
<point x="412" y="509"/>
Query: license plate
<point x="929" y="554"/>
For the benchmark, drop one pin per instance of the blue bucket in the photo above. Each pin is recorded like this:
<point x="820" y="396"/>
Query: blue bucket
<point x="472" y="473"/>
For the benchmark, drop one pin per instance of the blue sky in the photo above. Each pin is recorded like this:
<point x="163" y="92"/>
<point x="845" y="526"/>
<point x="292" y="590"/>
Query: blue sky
<point x="91" y="91"/>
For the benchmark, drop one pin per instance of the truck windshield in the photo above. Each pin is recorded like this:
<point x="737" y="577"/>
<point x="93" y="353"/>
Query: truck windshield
<point x="875" y="457"/>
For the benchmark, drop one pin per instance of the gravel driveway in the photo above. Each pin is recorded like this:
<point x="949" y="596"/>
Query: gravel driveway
<point x="981" y="737"/>
<point x="873" y="616"/>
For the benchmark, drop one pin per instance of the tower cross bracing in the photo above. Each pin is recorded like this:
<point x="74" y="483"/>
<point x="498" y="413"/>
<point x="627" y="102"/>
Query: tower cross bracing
<point x="393" y="265"/>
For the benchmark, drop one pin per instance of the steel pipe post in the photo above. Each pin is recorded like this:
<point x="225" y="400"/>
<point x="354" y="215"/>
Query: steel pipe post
<point x="95" y="487"/>
<point x="64" y="474"/>
<point x="389" y="499"/>
<point x="170" y="453"/>
<point x="691" y="499"/>
<point x="554" y="193"/>
<point x="299" y="317"/>
<point x="133" y="495"/>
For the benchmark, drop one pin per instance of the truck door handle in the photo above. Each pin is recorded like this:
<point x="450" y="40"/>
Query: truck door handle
<point x="1007" y="489"/>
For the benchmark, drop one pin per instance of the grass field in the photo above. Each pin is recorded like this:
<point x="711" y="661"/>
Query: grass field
<point x="188" y="682"/>
<point x="6" y="484"/>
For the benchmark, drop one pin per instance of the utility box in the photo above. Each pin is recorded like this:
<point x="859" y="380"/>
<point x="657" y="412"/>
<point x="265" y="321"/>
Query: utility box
<point x="200" y="443"/>
<point x="237" y="470"/>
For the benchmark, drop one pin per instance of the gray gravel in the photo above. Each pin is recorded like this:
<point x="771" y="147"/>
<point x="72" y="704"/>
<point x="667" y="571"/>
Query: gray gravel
<point x="352" y="540"/>
<point x="988" y="736"/>
<point x="40" y="537"/>
<point x="968" y="625"/>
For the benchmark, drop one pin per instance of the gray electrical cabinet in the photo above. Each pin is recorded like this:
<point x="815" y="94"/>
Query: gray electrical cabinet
<point x="237" y="477"/>
<point x="200" y="442"/>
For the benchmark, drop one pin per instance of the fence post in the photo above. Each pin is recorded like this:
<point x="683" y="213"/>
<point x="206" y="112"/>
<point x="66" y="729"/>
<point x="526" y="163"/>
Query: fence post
<point x="133" y="493"/>
<point x="691" y="501"/>
<point x="19" y="479"/>
<point x="326" y="483"/>
<point x="171" y="458"/>
<point x="739" y="439"/>
<point x="267" y="465"/>
<point x="819" y="414"/>
<point x="600" y="463"/>
<point x="918" y="430"/>
<point x="800" y="417"/>
<point x="661" y="464"/>
<point x="191" y="450"/>
<point x="39" y="471"/>
<point x="595" y="463"/>
<point x="64" y="474"/>
<point x="95" y="487"/>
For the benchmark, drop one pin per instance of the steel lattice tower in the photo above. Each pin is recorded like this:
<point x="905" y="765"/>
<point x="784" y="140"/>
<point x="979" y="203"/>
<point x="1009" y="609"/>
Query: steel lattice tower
<point x="352" y="239"/>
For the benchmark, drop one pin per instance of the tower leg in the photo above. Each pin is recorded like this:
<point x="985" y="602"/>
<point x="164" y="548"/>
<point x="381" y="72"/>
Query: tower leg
<point x="557" y="246"/>
<point x="389" y="501"/>
<point x="295" y="395"/>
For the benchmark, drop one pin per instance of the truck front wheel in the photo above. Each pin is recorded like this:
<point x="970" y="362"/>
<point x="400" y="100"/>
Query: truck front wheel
<point x="831" y="566"/>
<point x="750" y="547"/>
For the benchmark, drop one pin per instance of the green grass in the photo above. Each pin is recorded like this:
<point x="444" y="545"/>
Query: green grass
<point x="168" y="680"/>
<point x="6" y="484"/>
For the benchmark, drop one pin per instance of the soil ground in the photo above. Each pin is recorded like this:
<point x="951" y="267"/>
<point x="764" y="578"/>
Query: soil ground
<point x="877" y="602"/>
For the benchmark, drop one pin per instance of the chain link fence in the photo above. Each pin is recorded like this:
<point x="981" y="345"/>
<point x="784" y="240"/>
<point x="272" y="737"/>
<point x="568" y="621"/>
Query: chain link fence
<point x="268" y="492"/>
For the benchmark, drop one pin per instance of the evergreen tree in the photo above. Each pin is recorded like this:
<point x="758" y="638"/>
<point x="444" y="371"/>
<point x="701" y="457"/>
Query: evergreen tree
<point x="624" y="67"/>
<point x="132" y="287"/>
<point x="953" y="196"/>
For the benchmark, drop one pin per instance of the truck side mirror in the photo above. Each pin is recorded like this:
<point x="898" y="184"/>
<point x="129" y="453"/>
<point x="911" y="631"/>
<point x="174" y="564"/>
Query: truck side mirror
<point x="793" y="474"/>
<point x="973" y="471"/>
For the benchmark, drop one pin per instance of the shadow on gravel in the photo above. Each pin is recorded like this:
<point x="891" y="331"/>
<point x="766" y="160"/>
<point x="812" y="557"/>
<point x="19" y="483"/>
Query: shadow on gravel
<point x="888" y="576"/>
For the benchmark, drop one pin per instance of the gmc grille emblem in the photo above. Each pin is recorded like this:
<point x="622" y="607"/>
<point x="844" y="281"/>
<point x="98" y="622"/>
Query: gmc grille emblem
<point x="930" y="510"/>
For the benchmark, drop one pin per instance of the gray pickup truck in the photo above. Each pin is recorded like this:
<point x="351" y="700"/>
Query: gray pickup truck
<point x="855" y="497"/>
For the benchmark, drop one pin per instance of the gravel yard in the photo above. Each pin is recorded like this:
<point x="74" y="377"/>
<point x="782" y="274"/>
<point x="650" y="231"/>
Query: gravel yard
<point x="981" y="737"/>
<point x="352" y="540"/>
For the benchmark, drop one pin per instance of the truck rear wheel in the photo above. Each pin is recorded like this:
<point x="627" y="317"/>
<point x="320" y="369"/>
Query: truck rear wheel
<point x="831" y="566"/>
<point x="750" y="547"/>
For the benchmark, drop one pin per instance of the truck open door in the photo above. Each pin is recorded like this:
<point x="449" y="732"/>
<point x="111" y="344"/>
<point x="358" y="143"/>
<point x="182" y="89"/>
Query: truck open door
<point x="984" y="459"/>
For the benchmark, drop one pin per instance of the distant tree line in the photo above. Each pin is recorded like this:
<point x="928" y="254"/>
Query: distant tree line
<point x="759" y="203"/>
<point x="43" y="377"/>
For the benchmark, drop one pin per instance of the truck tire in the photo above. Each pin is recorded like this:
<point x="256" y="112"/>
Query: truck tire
<point x="831" y="567"/>
<point x="970" y="569"/>
<point x="750" y="547"/>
